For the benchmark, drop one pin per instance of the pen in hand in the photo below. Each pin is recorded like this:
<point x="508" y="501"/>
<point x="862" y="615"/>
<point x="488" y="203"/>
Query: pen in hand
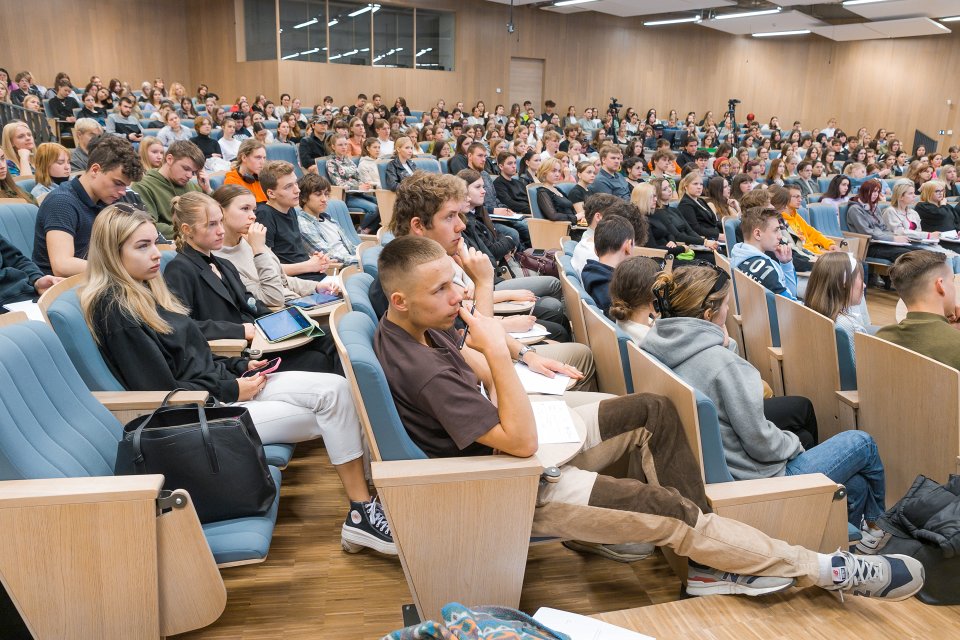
<point x="466" y="329"/>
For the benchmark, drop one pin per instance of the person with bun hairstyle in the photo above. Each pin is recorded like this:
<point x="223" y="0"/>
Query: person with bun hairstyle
<point x="145" y="334"/>
<point x="761" y="438"/>
<point x="631" y="296"/>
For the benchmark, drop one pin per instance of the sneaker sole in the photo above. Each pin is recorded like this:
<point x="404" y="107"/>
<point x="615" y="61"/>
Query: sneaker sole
<point x="732" y="589"/>
<point x="604" y="552"/>
<point x="354" y="541"/>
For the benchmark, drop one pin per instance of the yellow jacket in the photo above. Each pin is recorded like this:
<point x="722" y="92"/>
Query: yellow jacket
<point x="812" y="240"/>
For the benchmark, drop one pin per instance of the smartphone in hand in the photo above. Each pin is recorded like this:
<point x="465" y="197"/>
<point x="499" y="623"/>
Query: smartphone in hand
<point x="269" y="367"/>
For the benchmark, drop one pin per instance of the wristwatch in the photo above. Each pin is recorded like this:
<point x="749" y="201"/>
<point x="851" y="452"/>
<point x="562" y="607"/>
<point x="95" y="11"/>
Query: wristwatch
<point x="523" y="351"/>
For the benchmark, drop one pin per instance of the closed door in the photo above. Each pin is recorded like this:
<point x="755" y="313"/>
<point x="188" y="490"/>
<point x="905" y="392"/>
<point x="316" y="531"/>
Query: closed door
<point x="526" y="81"/>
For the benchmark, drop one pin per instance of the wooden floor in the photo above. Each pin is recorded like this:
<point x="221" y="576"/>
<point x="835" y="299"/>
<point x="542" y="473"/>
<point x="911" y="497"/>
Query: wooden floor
<point x="309" y="588"/>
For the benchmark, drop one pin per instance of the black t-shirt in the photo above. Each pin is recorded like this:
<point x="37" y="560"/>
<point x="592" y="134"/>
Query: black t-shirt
<point x="63" y="109"/>
<point x="67" y="208"/>
<point x="283" y="237"/>
<point x="437" y="395"/>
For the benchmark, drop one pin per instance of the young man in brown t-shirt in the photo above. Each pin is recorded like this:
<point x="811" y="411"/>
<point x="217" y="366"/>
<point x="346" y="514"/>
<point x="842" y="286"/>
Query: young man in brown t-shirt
<point x="469" y="401"/>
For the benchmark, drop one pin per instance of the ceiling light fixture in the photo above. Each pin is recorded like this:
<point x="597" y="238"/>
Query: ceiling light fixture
<point x="657" y="23"/>
<point x="771" y="34"/>
<point x="567" y="3"/>
<point x="850" y="3"/>
<point x="950" y="19"/>
<point x="333" y="23"/>
<point x="305" y="24"/>
<point x="748" y="14"/>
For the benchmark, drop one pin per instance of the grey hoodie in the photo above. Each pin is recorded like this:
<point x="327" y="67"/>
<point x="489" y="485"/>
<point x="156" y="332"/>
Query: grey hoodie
<point x="753" y="446"/>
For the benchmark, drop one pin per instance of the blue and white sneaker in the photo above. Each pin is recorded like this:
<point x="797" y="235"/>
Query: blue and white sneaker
<point x="704" y="581"/>
<point x="893" y="577"/>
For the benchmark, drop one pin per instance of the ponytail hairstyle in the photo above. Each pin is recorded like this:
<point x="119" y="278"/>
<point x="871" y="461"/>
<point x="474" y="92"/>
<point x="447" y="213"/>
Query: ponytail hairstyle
<point x="190" y="209"/>
<point x="831" y="283"/>
<point x="691" y="292"/>
<point x="108" y="282"/>
<point x="631" y="287"/>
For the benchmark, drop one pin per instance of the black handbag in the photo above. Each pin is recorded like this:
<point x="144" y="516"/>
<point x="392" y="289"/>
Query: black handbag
<point x="925" y="524"/>
<point x="214" y="453"/>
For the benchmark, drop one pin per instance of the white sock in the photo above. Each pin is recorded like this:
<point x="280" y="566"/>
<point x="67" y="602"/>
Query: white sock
<point x="825" y="578"/>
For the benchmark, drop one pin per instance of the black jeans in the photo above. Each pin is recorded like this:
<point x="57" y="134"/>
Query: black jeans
<point x="794" y="414"/>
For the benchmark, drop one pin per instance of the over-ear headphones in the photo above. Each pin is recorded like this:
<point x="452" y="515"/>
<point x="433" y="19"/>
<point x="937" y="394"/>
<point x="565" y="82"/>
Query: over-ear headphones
<point x="249" y="179"/>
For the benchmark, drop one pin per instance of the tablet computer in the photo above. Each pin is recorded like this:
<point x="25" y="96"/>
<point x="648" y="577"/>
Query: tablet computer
<point x="315" y="300"/>
<point x="283" y="324"/>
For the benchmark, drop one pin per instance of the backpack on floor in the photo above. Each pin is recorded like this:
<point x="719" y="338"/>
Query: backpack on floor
<point x="925" y="524"/>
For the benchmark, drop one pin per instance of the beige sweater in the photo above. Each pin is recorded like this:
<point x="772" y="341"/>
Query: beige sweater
<point x="263" y="276"/>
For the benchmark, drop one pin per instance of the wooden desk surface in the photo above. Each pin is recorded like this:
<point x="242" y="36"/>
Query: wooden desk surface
<point x="808" y="614"/>
<point x="511" y="308"/>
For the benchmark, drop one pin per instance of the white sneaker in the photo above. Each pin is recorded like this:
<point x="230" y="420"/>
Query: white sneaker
<point x="704" y="581"/>
<point x="894" y="577"/>
<point x="871" y="540"/>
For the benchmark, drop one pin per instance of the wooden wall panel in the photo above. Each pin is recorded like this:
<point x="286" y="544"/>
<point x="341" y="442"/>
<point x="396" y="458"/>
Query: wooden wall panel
<point x="901" y="84"/>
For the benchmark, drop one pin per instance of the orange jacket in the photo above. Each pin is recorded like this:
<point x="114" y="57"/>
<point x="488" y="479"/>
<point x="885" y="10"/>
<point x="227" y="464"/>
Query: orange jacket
<point x="812" y="240"/>
<point x="233" y="177"/>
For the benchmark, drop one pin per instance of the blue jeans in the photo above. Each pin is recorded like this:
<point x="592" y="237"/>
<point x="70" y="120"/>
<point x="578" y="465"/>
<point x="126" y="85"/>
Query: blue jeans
<point x="371" y="218"/>
<point x="851" y="459"/>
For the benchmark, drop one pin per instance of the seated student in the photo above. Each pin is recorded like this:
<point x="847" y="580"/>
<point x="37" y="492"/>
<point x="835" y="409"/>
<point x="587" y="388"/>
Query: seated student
<point x="314" y="145"/>
<point x="804" y="238"/>
<point x="66" y="215"/>
<point x="436" y="389"/>
<point x="150" y="343"/>
<point x="586" y="172"/>
<point x="63" y="104"/>
<point x="596" y="207"/>
<point x="553" y="204"/>
<point x="91" y="110"/>
<point x="182" y="162"/>
<point x="613" y="240"/>
<point x="245" y="246"/>
<point x="838" y="191"/>
<point x="203" y="125"/>
<point x="863" y="216"/>
<point x="808" y="186"/>
<point x="664" y="164"/>
<point x="212" y="289"/>
<point x="761" y="438"/>
<point x="442" y="197"/>
<point x="246" y="168"/>
<point x="695" y="209"/>
<point x="173" y="131"/>
<point x="925" y="283"/>
<point x="631" y="296"/>
<point x="151" y="153"/>
<point x="123" y="122"/>
<point x="278" y="214"/>
<point x="761" y="236"/>
<point x="53" y="168"/>
<point x="936" y="214"/>
<point x="401" y="165"/>
<point x="689" y="145"/>
<point x="344" y="173"/>
<point x="609" y="179"/>
<point x="668" y="226"/>
<point x="481" y="234"/>
<point x="903" y="220"/>
<point x="319" y="232"/>
<point x="835" y="290"/>
<point x="508" y="187"/>
<point x="229" y="145"/>
<point x="20" y="279"/>
<point x="8" y="186"/>
<point x="516" y="229"/>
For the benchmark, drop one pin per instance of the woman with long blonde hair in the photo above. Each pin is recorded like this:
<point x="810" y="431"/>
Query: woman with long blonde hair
<point x="144" y="333"/>
<point x="19" y="146"/>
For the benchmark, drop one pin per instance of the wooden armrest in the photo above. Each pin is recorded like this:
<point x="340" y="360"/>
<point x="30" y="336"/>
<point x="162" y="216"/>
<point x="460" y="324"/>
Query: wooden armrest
<point x="850" y="398"/>
<point x="776" y="352"/>
<point x="368" y="237"/>
<point x="337" y="193"/>
<point x="834" y="239"/>
<point x="746" y="491"/>
<point x="149" y="400"/>
<point x="442" y="470"/>
<point x="738" y="318"/>
<point x="229" y="347"/>
<point x="53" y="491"/>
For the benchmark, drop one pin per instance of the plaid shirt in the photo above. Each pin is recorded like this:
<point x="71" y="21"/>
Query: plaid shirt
<point x="324" y="234"/>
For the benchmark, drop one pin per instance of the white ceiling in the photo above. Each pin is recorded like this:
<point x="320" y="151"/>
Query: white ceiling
<point x="905" y="28"/>
<point x="783" y="21"/>
<point x="631" y="8"/>
<point x="907" y="9"/>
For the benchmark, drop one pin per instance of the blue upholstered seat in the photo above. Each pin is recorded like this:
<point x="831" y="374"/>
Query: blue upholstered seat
<point x="288" y="152"/>
<point x="569" y="246"/>
<point x="17" y="224"/>
<point x="51" y="426"/>
<point x="356" y="331"/>
<point x="216" y="180"/>
<point x="337" y="209"/>
<point x="27" y="185"/>
<point x="67" y="321"/>
<point x="358" y="291"/>
<point x="370" y="257"/>
<point x="430" y="165"/>
<point x="564" y="188"/>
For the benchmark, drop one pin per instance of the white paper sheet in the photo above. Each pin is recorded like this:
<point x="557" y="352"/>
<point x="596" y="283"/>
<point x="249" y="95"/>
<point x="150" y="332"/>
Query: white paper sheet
<point x="32" y="309"/>
<point x="537" y="331"/>
<point x="583" y="628"/>
<point x="554" y="422"/>
<point x="534" y="382"/>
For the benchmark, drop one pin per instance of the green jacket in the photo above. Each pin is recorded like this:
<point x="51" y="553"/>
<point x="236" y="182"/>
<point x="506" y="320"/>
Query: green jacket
<point x="928" y="334"/>
<point x="157" y="192"/>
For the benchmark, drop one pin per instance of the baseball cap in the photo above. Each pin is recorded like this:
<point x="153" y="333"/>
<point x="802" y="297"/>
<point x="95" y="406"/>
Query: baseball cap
<point x="319" y="119"/>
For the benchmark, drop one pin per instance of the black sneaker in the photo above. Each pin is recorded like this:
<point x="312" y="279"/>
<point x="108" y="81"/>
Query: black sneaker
<point x="366" y="526"/>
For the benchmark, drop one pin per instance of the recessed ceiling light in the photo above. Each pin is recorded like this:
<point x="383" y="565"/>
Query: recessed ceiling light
<point x="771" y="34"/>
<point x="747" y="14"/>
<point x="657" y="23"/>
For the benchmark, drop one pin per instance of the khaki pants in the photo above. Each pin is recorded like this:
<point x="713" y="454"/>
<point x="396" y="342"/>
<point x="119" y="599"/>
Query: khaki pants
<point x="661" y="498"/>
<point x="577" y="355"/>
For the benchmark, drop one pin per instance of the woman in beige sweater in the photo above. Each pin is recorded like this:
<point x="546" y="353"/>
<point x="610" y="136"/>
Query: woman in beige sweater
<point x="244" y="245"/>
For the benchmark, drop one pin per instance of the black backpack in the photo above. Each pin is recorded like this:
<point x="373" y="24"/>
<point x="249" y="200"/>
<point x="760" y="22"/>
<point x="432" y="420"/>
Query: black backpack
<point x="925" y="524"/>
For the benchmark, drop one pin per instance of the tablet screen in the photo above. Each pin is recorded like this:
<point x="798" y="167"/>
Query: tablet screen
<point x="315" y="300"/>
<point x="281" y="324"/>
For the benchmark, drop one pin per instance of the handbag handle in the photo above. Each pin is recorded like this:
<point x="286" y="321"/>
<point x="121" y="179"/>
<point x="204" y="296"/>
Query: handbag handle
<point x="138" y="458"/>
